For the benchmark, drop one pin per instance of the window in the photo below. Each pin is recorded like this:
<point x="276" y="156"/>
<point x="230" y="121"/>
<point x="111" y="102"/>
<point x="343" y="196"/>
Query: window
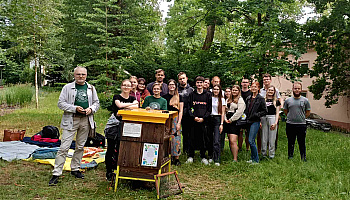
<point x="304" y="67"/>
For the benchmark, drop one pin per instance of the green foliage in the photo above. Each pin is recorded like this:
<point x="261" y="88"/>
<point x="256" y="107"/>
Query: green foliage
<point x="106" y="99"/>
<point x="29" y="29"/>
<point x="17" y="95"/>
<point x="251" y="38"/>
<point x="119" y="32"/>
<point x="27" y="75"/>
<point x="330" y="36"/>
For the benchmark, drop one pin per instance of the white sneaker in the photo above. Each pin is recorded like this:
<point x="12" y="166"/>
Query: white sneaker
<point x="189" y="160"/>
<point x="217" y="164"/>
<point x="211" y="160"/>
<point x="250" y="161"/>
<point x="205" y="161"/>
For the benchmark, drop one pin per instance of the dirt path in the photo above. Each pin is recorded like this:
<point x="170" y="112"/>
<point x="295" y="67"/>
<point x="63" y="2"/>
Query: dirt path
<point x="4" y="109"/>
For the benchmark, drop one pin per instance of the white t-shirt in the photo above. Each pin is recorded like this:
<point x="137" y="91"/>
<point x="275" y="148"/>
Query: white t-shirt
<point x="215" y="103"/>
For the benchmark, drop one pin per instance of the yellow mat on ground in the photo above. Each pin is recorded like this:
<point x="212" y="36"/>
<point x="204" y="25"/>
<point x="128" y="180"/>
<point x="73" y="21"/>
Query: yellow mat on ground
<point x="98" y="158"/>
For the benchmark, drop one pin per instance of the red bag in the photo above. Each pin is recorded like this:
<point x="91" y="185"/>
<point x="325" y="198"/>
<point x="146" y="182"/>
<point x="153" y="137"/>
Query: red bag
<point x="14" y="135"/>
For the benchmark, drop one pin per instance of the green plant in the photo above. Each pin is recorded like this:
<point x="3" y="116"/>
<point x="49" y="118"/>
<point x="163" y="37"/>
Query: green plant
<point x="106" y="99"/>
<point x="18" y="95"/>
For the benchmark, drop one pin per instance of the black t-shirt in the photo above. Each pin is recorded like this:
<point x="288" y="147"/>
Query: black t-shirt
<point x="245" y="94"/>
<point x="271" y="109"/>
<point x="168" y="97"/>
<point x="122" y="100"/>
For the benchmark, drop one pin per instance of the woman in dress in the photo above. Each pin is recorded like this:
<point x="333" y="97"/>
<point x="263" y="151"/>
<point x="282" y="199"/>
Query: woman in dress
<point x="235" y="109"/>
<point x="269" y="122"/>
<point x="255" y="109"/>
<point x="120" y="101"/>
<point x="216" y="121"/>
<point x="175" y="103"/>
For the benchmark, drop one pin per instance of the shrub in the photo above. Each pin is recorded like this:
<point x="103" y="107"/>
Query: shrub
<point x="18" y="95"/>
<point x="106" y="99"/>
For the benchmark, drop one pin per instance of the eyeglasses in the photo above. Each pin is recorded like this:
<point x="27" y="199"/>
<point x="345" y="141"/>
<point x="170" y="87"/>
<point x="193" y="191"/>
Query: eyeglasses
<point x="80" y="74"/>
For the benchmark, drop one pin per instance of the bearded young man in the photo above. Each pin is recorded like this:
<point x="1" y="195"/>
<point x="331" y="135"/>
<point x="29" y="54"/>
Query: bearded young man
<point x="297" y="108"/>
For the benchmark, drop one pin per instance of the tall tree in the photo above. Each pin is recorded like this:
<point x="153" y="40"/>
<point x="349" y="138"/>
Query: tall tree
<point x="118" y="29"/>
<point x="30" y="25"/>
<point x="241" y="38"/>
<point x="330" y="36"/>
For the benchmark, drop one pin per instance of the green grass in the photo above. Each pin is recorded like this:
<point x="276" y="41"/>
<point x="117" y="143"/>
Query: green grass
<point x="325" y="175"/>
<point x="17" y="95"/>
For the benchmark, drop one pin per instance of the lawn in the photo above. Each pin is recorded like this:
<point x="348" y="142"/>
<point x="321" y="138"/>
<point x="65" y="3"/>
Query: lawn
<point x="325" y="175"/>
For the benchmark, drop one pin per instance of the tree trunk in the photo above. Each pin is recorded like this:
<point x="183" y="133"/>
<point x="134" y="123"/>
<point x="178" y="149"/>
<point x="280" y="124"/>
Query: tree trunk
<point x="210" y="37"/>
<point x="106" y="26"/>
<point x="36" y="67"/>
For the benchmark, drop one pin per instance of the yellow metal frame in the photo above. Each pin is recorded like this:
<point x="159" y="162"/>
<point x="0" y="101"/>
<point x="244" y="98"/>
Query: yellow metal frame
<point x="117" y="177"/>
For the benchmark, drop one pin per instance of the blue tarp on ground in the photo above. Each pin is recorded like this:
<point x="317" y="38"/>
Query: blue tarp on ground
<point x="45" y="153"/>
<point x="16" y="150"/>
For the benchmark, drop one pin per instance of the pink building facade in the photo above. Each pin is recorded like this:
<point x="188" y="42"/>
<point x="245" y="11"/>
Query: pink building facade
<point x="338" y="115"/>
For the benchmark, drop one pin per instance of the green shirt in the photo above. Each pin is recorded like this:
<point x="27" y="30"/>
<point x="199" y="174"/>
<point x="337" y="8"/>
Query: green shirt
<point x="155" y="103"/>
<point x="82" y="98"/>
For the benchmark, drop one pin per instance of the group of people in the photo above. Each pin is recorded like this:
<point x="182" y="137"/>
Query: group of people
<point x="205" y="115"/>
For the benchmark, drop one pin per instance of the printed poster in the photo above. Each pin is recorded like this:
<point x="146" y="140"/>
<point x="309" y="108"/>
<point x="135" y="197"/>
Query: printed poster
<point x="150" y="154"/>
<point x="132" y="130"/>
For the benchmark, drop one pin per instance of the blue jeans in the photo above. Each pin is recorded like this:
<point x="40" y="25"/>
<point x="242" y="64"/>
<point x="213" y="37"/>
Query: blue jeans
<point x="253" y="131"/>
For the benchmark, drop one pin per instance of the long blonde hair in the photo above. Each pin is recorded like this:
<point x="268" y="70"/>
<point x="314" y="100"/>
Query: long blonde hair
<point x="175" y="100"/>
<point x="274" y="98"/>
<point x="235" y="100"/>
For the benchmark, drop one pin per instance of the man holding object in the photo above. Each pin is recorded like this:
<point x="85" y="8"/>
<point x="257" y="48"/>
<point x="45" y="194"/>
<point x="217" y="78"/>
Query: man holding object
<point x="79" y="102"/>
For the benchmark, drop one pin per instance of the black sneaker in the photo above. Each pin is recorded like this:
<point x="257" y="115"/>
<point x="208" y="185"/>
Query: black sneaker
<point x="77" y="174"/>
<point x="109" y="176"/>
<point x="53" y="181"/>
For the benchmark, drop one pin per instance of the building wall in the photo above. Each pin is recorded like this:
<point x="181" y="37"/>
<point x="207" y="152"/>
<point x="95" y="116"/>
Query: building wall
<point x="338" y="113"/>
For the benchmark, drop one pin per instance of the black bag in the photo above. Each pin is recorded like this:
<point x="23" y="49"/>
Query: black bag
<point x="50" y="132"/>
<point x="98" y="141"/>
<point x="229" y="115"/>
<point x="242" y="120"/>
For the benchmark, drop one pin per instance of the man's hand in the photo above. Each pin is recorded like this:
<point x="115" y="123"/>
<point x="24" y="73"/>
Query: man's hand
<point x="227" y="121"/>
<point x="88" y="111"/>
<point x="80" y="109"/>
